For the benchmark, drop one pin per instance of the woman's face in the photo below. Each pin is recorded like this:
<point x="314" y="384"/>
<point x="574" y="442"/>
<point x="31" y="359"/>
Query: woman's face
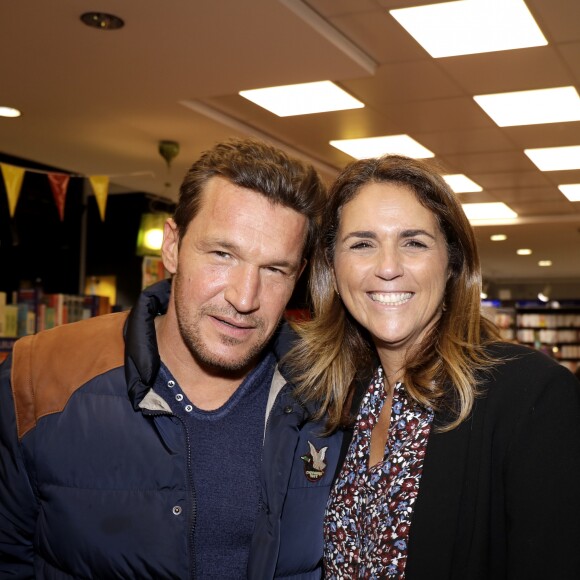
<point x="391" y="265"/>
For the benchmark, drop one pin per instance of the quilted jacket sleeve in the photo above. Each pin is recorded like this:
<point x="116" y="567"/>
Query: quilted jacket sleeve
<point x="18" y="505"/>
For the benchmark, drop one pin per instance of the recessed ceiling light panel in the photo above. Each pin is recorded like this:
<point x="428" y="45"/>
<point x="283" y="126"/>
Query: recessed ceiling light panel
<point x="302" y="99"/>
<point x="9" y="112"/>
<point x="367" y="147"/>
<point x="102" y="20"/>
<point x="488" y="211"/>
<point x="471" y="26"/>
<point x="557" y="105"/>
<point x="571" y="191"/>
<point x="498" y="237"/>
<point x="555" y="158"/>
<point x="545" y="263"/>
<point x="524" y="252"/>
<point x="460" y="183"/>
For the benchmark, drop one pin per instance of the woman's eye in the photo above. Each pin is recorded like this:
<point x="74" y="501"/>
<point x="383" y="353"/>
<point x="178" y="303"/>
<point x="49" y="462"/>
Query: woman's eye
<point x="415" y="244"/>
<point x="360" y="245"/>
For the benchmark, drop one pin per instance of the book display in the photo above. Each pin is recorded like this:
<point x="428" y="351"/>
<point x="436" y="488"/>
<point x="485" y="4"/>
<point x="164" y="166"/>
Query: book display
<point x="29" y="310"/>
<point x="554" y="331"/>
<point x="503" y="317"/>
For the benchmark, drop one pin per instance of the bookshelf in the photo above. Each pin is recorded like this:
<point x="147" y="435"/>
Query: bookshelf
<point x="30" y="310"/>
<point x="504" y="318"/>
<point x="554" y="331"/>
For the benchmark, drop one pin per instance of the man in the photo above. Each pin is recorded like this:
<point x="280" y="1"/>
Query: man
<point x="166" y="443"/>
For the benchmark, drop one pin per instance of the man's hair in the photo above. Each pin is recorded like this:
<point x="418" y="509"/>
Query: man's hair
<point x="441" y="371"/>
<point x="260" y="167"/>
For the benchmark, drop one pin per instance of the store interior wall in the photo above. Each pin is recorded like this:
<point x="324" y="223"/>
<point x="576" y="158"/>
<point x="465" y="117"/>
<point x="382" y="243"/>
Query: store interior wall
<point x="36" y="247"/>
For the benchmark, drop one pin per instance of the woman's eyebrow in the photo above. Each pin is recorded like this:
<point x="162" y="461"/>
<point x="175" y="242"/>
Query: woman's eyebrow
<point x="418" y="232"/>
<point x="360" y="234"/>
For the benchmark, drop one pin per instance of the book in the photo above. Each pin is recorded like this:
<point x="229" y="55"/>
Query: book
<point x="11" y="321"/>
<point x="26" y="320"/>
<point x="2" y="313"/>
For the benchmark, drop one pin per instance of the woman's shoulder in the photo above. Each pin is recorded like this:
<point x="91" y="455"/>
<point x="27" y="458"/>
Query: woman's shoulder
<point x="507" y="355"/>
<point x="500" y="346"/>
<point x="518" y="370"/>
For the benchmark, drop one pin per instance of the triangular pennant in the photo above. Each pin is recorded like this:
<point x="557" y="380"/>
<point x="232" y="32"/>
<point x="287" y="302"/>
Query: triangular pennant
<point x="100" y="185"/>
<point x="13" y="177"/>
<point x="58" y="185"/>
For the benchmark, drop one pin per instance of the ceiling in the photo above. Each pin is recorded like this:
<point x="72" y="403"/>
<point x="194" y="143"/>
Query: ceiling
<point x="98" y="102"/>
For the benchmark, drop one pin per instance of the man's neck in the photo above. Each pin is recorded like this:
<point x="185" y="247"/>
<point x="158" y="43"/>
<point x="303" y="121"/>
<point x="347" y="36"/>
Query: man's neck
<point x="206" y="390"/>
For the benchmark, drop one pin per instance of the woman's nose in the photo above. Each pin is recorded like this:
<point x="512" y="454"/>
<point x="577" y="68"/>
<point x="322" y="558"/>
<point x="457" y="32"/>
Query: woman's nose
<point x="389" y="264"/>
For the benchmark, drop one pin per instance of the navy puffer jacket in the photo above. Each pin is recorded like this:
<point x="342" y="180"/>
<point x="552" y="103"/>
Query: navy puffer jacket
<point x="93" y="466"/>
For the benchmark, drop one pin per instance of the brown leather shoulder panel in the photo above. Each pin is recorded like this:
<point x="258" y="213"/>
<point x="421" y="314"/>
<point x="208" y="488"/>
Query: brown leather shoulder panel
<point x="47" y="368"/>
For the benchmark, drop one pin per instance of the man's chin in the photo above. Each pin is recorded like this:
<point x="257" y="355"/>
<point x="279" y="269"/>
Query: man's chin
<point x="224" y="364"/>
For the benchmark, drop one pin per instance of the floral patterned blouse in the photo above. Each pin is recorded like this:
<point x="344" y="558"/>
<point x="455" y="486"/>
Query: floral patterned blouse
<point x="366" y="529"/>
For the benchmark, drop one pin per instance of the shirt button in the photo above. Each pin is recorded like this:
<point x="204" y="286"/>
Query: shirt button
<point x="188" y="408"/>
<point x="288" y="409"/>
<point x="170" y="384"/>
<point x="176" y="510"/>
<point x="179" y="397"/>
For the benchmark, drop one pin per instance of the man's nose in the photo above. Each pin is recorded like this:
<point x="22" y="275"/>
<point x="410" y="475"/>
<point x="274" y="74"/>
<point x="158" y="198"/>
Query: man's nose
<point x="243" y="290"/>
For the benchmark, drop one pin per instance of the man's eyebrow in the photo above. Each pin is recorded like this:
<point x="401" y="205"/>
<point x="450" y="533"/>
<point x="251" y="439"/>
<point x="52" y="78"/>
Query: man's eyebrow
<point x="218" y="242"/>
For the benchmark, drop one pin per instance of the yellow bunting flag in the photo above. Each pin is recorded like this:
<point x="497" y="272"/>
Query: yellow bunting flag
<point x="13" y="177"/>
<point x="100" y="185"/>
<point x="58" y="185"/>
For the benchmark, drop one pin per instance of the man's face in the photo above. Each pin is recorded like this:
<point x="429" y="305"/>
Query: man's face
<point x="234" y="272"/>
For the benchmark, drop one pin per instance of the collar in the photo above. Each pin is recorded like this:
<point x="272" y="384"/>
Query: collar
<point x="142" y="359"/>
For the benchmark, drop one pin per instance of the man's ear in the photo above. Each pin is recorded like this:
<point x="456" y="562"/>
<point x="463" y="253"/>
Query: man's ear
<point x="170" y="246"/>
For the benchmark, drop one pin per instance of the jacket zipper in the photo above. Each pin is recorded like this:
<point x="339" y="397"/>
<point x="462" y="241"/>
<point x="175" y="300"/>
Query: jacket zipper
<point x="190" y="491"/>
<point x="193" y="511"/>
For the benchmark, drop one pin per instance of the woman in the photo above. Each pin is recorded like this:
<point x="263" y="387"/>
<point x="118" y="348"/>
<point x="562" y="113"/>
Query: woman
<point x="465" y="456"/>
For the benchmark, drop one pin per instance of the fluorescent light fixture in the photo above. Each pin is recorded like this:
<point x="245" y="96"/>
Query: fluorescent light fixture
<point x="545" y="263"/>
<point x="524" y="252"/>
<point x="471" y="26"/>
<point x="376" y="146"/>
<point x="9" y="112"/>
<point x="498" y="237"/>
<point x="555" y="158"/>
<point x="302" y="99"/>
<point x="571" y="191"/>
<point x="557" y="105"/>
<point x="460" y="183"/>
<point x="488" y="211"/>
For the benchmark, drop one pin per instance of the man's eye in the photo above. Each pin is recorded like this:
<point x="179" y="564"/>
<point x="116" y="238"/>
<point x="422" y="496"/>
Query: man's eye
<point x="221" y="254"/>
